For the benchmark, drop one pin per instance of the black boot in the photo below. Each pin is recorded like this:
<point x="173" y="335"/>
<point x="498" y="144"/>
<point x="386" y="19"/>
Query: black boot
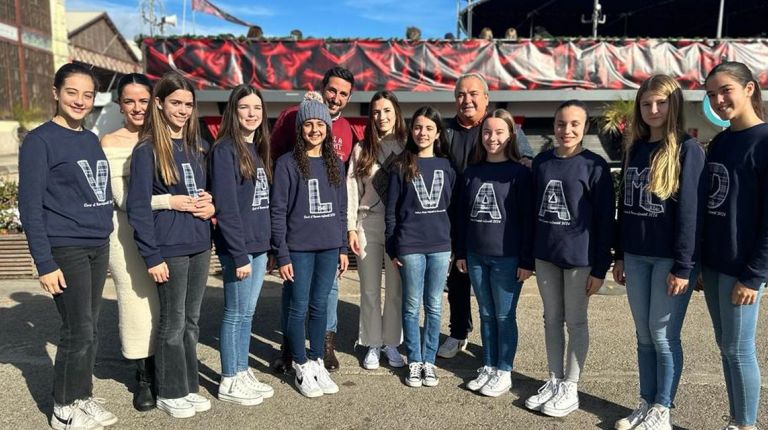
<point x="331" y="362"/>
<point x="284" y="363"/>
<point x="143" y="398"/>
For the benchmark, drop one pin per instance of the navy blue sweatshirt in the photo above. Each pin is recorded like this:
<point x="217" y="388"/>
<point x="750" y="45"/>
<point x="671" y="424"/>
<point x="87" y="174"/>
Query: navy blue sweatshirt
<point x="307" y="215"/>
<point x="495" y="212"/>
<point x="417" y="211"/>
<point x="662" y="228"/>
<point x="574" y="210"/>
<point x="736" y="223"/>
<point x="166" y="233"/>
<point x="242" y="206"/>
<point x="65" y="196"/>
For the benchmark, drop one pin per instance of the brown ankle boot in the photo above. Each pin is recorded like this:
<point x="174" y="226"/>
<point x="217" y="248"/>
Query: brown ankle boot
<point x="331" y="362"/>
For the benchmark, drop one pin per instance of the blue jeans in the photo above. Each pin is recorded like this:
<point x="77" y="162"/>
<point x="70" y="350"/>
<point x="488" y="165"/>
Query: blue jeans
<point x="333" y="304"/>
<point x="497" y="290"/>
<point x="658" y="322"/>
<point x="423" y="276"/>
<point x="735" y="328"/>
<point x="240" y="297"/>
<point x="313" y="275"/>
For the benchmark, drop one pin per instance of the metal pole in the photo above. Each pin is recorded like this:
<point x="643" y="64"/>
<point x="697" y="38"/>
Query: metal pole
<point x="720" y="20"/>
<point x="458" y="19"/>
<point x="469" y="19"/>
<point x="595" y="18"/>
<point x="184" y="17"/>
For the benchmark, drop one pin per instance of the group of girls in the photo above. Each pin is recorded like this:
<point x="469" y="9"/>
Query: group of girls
<point x="391" y="207"/>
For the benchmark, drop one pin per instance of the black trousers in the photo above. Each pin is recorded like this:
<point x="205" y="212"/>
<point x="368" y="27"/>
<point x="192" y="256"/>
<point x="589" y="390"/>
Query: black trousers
<point x="459" y="293"/>
<point x="85" y="270"/>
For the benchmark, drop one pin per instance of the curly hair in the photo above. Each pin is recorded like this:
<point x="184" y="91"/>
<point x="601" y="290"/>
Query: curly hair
<point x="330" y="159"/>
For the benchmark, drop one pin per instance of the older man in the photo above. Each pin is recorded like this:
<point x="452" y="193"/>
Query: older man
<point x="337" y="88"/>
<point x="463" y="133"/>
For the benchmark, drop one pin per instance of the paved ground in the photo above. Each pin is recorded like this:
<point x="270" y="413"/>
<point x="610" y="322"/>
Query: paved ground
<point x="29" y="325"/>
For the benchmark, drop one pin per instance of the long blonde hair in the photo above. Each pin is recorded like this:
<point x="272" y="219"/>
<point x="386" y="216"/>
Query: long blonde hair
<point x="664" y="178"/>
<point x="157" y="132"/>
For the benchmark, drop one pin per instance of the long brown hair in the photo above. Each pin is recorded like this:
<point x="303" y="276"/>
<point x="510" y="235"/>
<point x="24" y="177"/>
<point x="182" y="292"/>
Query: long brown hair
<point x="407" y="161"/>
<point x="230" y="129"/>
<point x="330" y="159"/>
<point x="511" y="151"/>
<point x="664" y="179"/>
<point x="370" y="146"/>
<point x="157" y="132"/>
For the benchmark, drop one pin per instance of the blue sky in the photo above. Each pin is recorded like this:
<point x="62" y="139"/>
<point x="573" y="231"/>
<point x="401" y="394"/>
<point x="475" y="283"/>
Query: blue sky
<point x="326" y="18"/>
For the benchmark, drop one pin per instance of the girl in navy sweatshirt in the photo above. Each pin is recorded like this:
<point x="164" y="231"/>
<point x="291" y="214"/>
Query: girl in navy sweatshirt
<point x="573" y="207"/>
<point x="175" y="245"/>
<point x="418" y="237"/>
<point x="241" y="170"/>
<point x="735" y="244"/>
<point x="309" y="235"/>
<point x="65" y="201"/>
<point x="494" y="246"/>
<point x="659" y="210"/>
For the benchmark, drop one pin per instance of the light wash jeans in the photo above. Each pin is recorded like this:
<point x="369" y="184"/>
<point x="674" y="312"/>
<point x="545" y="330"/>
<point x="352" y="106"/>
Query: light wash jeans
<point x="658" y="321"/>
<point x="735" y="328"/>
<point x="240" y="297"/>
<point x="423" y="277"/>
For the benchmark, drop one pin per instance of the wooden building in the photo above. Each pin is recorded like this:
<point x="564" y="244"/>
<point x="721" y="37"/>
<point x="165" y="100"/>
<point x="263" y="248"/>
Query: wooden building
<point x="94" y="40"/>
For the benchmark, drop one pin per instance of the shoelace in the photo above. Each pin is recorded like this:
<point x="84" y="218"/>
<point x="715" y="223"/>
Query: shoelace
<point x="561" y="390"/>
<point x="638" y="412"/>
<point x="92" y="406"/>
<point x="415" y="371"/>
<point x="551" y="385"/>
<point x="652" y="418"/>
<point x="494" y="381"/>
<point x="429" y="372"/>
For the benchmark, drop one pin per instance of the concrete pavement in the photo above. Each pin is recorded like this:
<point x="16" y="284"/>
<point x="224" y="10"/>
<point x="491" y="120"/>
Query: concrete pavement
<point x="29" y="329"/>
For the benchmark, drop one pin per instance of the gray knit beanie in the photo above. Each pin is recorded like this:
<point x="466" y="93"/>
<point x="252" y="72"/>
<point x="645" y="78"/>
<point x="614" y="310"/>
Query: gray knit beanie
<point x="313" y="108"/>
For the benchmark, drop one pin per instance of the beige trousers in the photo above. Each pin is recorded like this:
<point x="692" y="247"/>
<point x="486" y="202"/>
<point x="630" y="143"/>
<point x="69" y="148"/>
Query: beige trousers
<point x="377" y="329"/>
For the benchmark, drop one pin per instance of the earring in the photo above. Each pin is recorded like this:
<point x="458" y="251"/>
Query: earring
<point x="121" y="110"/>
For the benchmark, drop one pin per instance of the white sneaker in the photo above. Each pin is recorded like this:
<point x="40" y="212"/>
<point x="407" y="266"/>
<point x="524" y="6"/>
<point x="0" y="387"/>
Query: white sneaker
<point x="499" y="384"/>
<point x="93" y="407"/>
<point x="371" y="360"/>
<point x="393" y="356"/>
<point x="200" y="403"/>
<point x="657" y="418"/>
<point x="71" y="417"/>
<point x="176" y="408"/>
<point x="730" y="425"/>
<point x="234" y="390"/>
<point x="483" y="376"/>
<point x="451" y="347"/>
<point x="430" y="375"/>
<point x="635" y="418"/>
<point x="414" y="375"/>
<point x="253" y="382"/>
<point x="323" y="378"/>
<point x="565" y="401"/>
<point x="305" y="379"/>
<point x="546" y="392"/>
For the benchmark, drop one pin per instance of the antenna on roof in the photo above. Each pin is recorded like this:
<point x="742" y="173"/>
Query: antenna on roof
<point x="597" y="17"/>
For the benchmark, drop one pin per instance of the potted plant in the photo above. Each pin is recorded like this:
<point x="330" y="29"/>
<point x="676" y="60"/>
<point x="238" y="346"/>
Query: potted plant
<point x="613" y="125"/>
<point x="27" y="119"/>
